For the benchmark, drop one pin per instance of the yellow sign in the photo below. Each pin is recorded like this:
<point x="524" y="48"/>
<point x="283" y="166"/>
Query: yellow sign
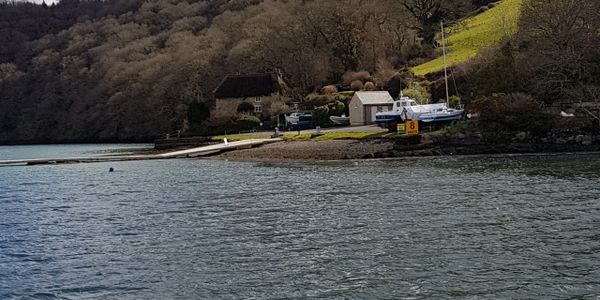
<point x="412" y="127"/>
<point x="401" y="128"/>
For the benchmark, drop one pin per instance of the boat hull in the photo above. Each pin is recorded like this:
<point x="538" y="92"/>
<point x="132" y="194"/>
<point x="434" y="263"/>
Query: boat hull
<point x="442" y="117"/>
<point x="292" y="120"/>
<point x="339" y="120"/>
<point x="391" y="121"/>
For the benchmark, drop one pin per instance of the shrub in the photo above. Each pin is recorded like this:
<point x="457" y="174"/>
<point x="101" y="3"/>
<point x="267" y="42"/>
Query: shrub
<point x="356" y="85"/>
<point x="329" y="89"/>
<point x="384" y="72"/>
<point x="492" y="71"/>
<point x="509" y="113"/>
<point x="361" y="76"/>
<point x="321" y="114"/>
<point x="336" y="108"/>
<point x="417" y="92"/>
<point x="395" y="84"/>
<point x="313" y="100"/>
<point x="319" y="100"/>
<point x="280" y="108"/>
<point x="455" y="101"/>
<point x="369" y="86"/>
<point x="246" y="122"/>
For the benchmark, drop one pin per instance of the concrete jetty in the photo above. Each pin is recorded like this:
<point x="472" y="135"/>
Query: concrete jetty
<point x="211" y="149"/>
<point x="193" y="152"/>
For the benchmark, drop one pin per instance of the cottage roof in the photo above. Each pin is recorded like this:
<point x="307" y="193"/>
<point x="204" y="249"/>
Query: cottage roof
<point x="251" y="85"/>
<point x="374" y="98"/>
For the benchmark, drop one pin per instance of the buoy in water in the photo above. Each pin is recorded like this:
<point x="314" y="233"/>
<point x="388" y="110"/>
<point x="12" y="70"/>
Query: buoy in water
<point x="111" y="170"/>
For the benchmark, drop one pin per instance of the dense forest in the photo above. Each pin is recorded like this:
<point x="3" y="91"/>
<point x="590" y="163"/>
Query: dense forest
<point x="125" y="70"/>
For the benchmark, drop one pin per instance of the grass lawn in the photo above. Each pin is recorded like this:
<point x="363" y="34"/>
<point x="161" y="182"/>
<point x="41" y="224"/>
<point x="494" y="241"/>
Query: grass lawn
<point x="468" y="37"/>
<point x="297" y="137"/>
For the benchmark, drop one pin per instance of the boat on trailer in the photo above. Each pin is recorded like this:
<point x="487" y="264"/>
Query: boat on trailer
<point x="299" y="120"/>
<point x="408" y="109"/>
<point x="295" y="118"/>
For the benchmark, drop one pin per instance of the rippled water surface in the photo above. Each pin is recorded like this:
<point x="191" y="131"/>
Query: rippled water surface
<point x="470" y="227"/>
<point x="63" y="151"/>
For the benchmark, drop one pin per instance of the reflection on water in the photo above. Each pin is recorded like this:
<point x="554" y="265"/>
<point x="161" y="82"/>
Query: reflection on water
<point x="471" y="227"/>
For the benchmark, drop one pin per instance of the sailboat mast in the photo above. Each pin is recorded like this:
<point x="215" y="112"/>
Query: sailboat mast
<point x="445" y="65"/>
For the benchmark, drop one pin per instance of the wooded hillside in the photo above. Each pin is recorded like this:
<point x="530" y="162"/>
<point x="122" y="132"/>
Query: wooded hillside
<point x="126" y="70"/>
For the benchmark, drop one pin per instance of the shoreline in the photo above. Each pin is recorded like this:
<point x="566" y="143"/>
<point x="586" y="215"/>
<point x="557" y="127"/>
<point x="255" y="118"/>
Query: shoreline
<point x="354" y="149"/>
<point x="404" y="158"/>
<point x="330" y="150"/>
<point x="348" y="150"/>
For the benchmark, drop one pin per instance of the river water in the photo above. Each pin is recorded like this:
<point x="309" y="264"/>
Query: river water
<point x="523" y="227"/>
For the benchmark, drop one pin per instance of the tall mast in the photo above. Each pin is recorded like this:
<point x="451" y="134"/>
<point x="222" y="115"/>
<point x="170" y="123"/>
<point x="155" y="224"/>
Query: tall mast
<point x="445" y="65"/>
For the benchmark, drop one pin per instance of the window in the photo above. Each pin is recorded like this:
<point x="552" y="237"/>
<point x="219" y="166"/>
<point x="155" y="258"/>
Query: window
<point x="257" y="108"/>
<point x="379" y="108"/>
<point x="258" y="100"/>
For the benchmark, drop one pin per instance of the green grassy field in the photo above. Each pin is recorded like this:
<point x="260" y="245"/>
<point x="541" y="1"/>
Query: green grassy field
<point x="468" y="37"/>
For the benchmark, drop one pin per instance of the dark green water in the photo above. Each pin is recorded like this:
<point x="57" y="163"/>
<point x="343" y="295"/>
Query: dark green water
<point x="470" y="228"/>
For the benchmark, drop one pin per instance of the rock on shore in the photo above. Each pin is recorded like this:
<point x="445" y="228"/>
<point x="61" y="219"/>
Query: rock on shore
<point x="458" y="144"/>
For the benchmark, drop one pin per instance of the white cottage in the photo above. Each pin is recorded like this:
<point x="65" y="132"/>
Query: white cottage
<point x="364" y="106"/>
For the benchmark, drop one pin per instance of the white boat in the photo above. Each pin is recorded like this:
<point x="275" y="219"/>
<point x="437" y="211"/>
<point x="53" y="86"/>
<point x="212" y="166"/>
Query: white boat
<point x="408" y="109"/>
<point x="566" y="115"/>
<point x="341" y="120"/>
<point x="294" y="118"/>
<point x="444" y="114"/>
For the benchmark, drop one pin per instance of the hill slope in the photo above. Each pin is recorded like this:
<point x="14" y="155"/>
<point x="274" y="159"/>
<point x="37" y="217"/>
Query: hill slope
<point x="129" y="70"/>
<point x="468" y="37"/>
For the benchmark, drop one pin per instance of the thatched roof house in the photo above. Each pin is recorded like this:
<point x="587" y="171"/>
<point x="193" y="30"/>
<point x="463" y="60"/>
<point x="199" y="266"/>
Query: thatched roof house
<point x="244" y="86"/>
<point x="250" y="93"/>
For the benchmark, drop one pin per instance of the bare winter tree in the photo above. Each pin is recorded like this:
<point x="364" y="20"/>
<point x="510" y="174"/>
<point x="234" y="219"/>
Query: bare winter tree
<point x="429" y="14"/>
<point x="561" y="42"/>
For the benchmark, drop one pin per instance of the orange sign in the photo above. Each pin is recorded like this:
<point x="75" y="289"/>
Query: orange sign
<point x="412" y="127"/>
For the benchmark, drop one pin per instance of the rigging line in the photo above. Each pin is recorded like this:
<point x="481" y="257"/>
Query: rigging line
<point x="454" y="81"/>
